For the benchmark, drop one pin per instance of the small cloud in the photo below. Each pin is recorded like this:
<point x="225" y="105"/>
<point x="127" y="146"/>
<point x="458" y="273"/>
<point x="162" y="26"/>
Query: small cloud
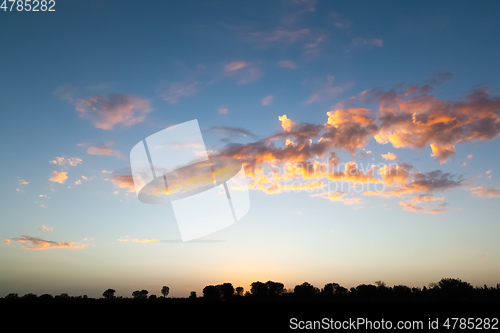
<point x="485" y="192"/>
<point x="136" y="240"/>
<point x="21" y="184"/>
<point x="113" y="109"/>
<point x="470" y="156"/>
<point x="44" y="228"/>
<point x="231" y="131"/>
<point x="172" y="92"/>
<point x="327" y="90"/>
<point x="389" y="156"/>
<point x="223" y="110"/>
<point x="104" y="149"/>
<point x="287" y="64"/>
<point x="266" y="100"/>
<point x="243" y="71"/>
<point x="35" y="243"/>
<point x="71" y="161"/>
<point x="7" y="241"/>
<point x="440" y="77"/>
<point x="358" y="42"/>
<point x="58" y="177"/>
<point x="235" y="65"/>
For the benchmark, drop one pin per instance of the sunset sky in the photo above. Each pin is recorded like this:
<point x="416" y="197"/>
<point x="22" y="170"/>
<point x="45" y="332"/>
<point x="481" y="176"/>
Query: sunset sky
<point x="368" y="131"/>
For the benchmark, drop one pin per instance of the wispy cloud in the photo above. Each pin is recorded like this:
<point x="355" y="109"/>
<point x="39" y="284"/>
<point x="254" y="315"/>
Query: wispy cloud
<point x="174" y="91"/>
<point x="287" y="64"/>
<point x="244" y="72"/>
<point x="266" y="100"/>
<point x="137" y="240"/>
<point x="102" y="149"/>
<point x="486" y="192"/>
<point x="360" y="41"/>
<point x="35" y="243"/>
<point x="21" y="184"/>
<point x="327" y="89"/>
<point x="114" y="109"/>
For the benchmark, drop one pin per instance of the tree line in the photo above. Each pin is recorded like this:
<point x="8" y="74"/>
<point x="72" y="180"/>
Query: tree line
<point x="446" y="288"/>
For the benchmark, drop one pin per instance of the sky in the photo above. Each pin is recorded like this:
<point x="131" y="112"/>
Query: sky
<point x="368" y="132"/>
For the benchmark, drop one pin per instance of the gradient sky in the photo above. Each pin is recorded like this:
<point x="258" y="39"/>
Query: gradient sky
<point x="413" y="85"/>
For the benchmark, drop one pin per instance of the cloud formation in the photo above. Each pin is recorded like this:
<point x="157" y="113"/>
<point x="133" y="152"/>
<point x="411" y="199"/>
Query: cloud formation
<point x="108" y="111"/>
<point x="172" y="92"/>
<point x="58" y="177"/>
<point x="35" y="243"/>
<point x="71" y="161"/>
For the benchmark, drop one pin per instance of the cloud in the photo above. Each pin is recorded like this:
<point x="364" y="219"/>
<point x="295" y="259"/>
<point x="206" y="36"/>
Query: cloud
<point x="326" y="90"/>
<point x="104" y="149"/>
<point x="223" y="110"/>
<point x="21" y="184"/>
<point x="113" y="109"/>
<point x="422" y="120"/>
<point x="71" y="161"/>
<point x="235" y="65"/>
<point x="266" y="100"/>
<point x="287" y="64"/>
<point x="58" y="177"/>
<point x="442" y="151"/>
<point x="244" y="72"/>
<point x="389" y="157"/>
<point x="440" y="77"/>
<point x="172" y="92"/>
<point x="279" y="35"/>
<point x="124" y="181"/>
<point x="231" y="131"/>
<point x="136" y="240"/>
<point x="485" y="192"/>
<point x="66" y="92"/>
<point x="35" y="243"/>
<point x="44" y="228"/>
<point x="357" y="42"/>
<point x="7" y="241"/>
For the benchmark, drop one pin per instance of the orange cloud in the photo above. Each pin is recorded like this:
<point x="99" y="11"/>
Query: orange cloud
<point x="72" y="161"/>
<point x="35" y="243"/>
<point x="103" y="149"/>
<point x="58" y="177"/>
<point x="44" y="228"/>
<point x="107" y="111"/>
<point x="124" y="181"/>
<point x="136" y="240"/>
<point x="389" y="156"/>
<point x="486" y="192"/>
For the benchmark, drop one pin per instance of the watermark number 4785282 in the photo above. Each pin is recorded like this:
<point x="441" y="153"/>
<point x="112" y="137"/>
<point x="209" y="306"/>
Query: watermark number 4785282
<point x="28" y="5"/>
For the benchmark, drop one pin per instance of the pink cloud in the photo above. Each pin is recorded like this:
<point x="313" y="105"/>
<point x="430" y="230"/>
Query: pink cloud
<point x="287" y="64"/>
<point x="107" y="111"/>
<point x="266" y="100"/>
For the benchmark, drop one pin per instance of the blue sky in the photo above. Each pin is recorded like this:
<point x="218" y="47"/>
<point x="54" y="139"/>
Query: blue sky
<point x="79" y="87"/>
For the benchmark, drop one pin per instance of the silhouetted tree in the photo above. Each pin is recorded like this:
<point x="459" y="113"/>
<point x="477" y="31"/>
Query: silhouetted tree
<point x="239" y="291"/>
<point x="152" y="297"/>
<point x="305" y="290"/>
<point x="45" y="297"/>
<point x="109" y="294"/>
<point x="192" y="295"/>
<point x="258" y="289"/>
<point x="364" y="290"/>
<point x="165" y="290"/>
<point x="29" y="297"/>
<point x="211" y="293"/>
<point x="227" y="290"/>
<point x="275" y="288"/>
<point x="12" y="296"/>
<point x="454" y="287"/>
<point x="140" y="294"/>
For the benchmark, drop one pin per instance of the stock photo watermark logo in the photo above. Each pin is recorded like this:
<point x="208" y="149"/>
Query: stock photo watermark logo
<point x="207" y="193"/>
